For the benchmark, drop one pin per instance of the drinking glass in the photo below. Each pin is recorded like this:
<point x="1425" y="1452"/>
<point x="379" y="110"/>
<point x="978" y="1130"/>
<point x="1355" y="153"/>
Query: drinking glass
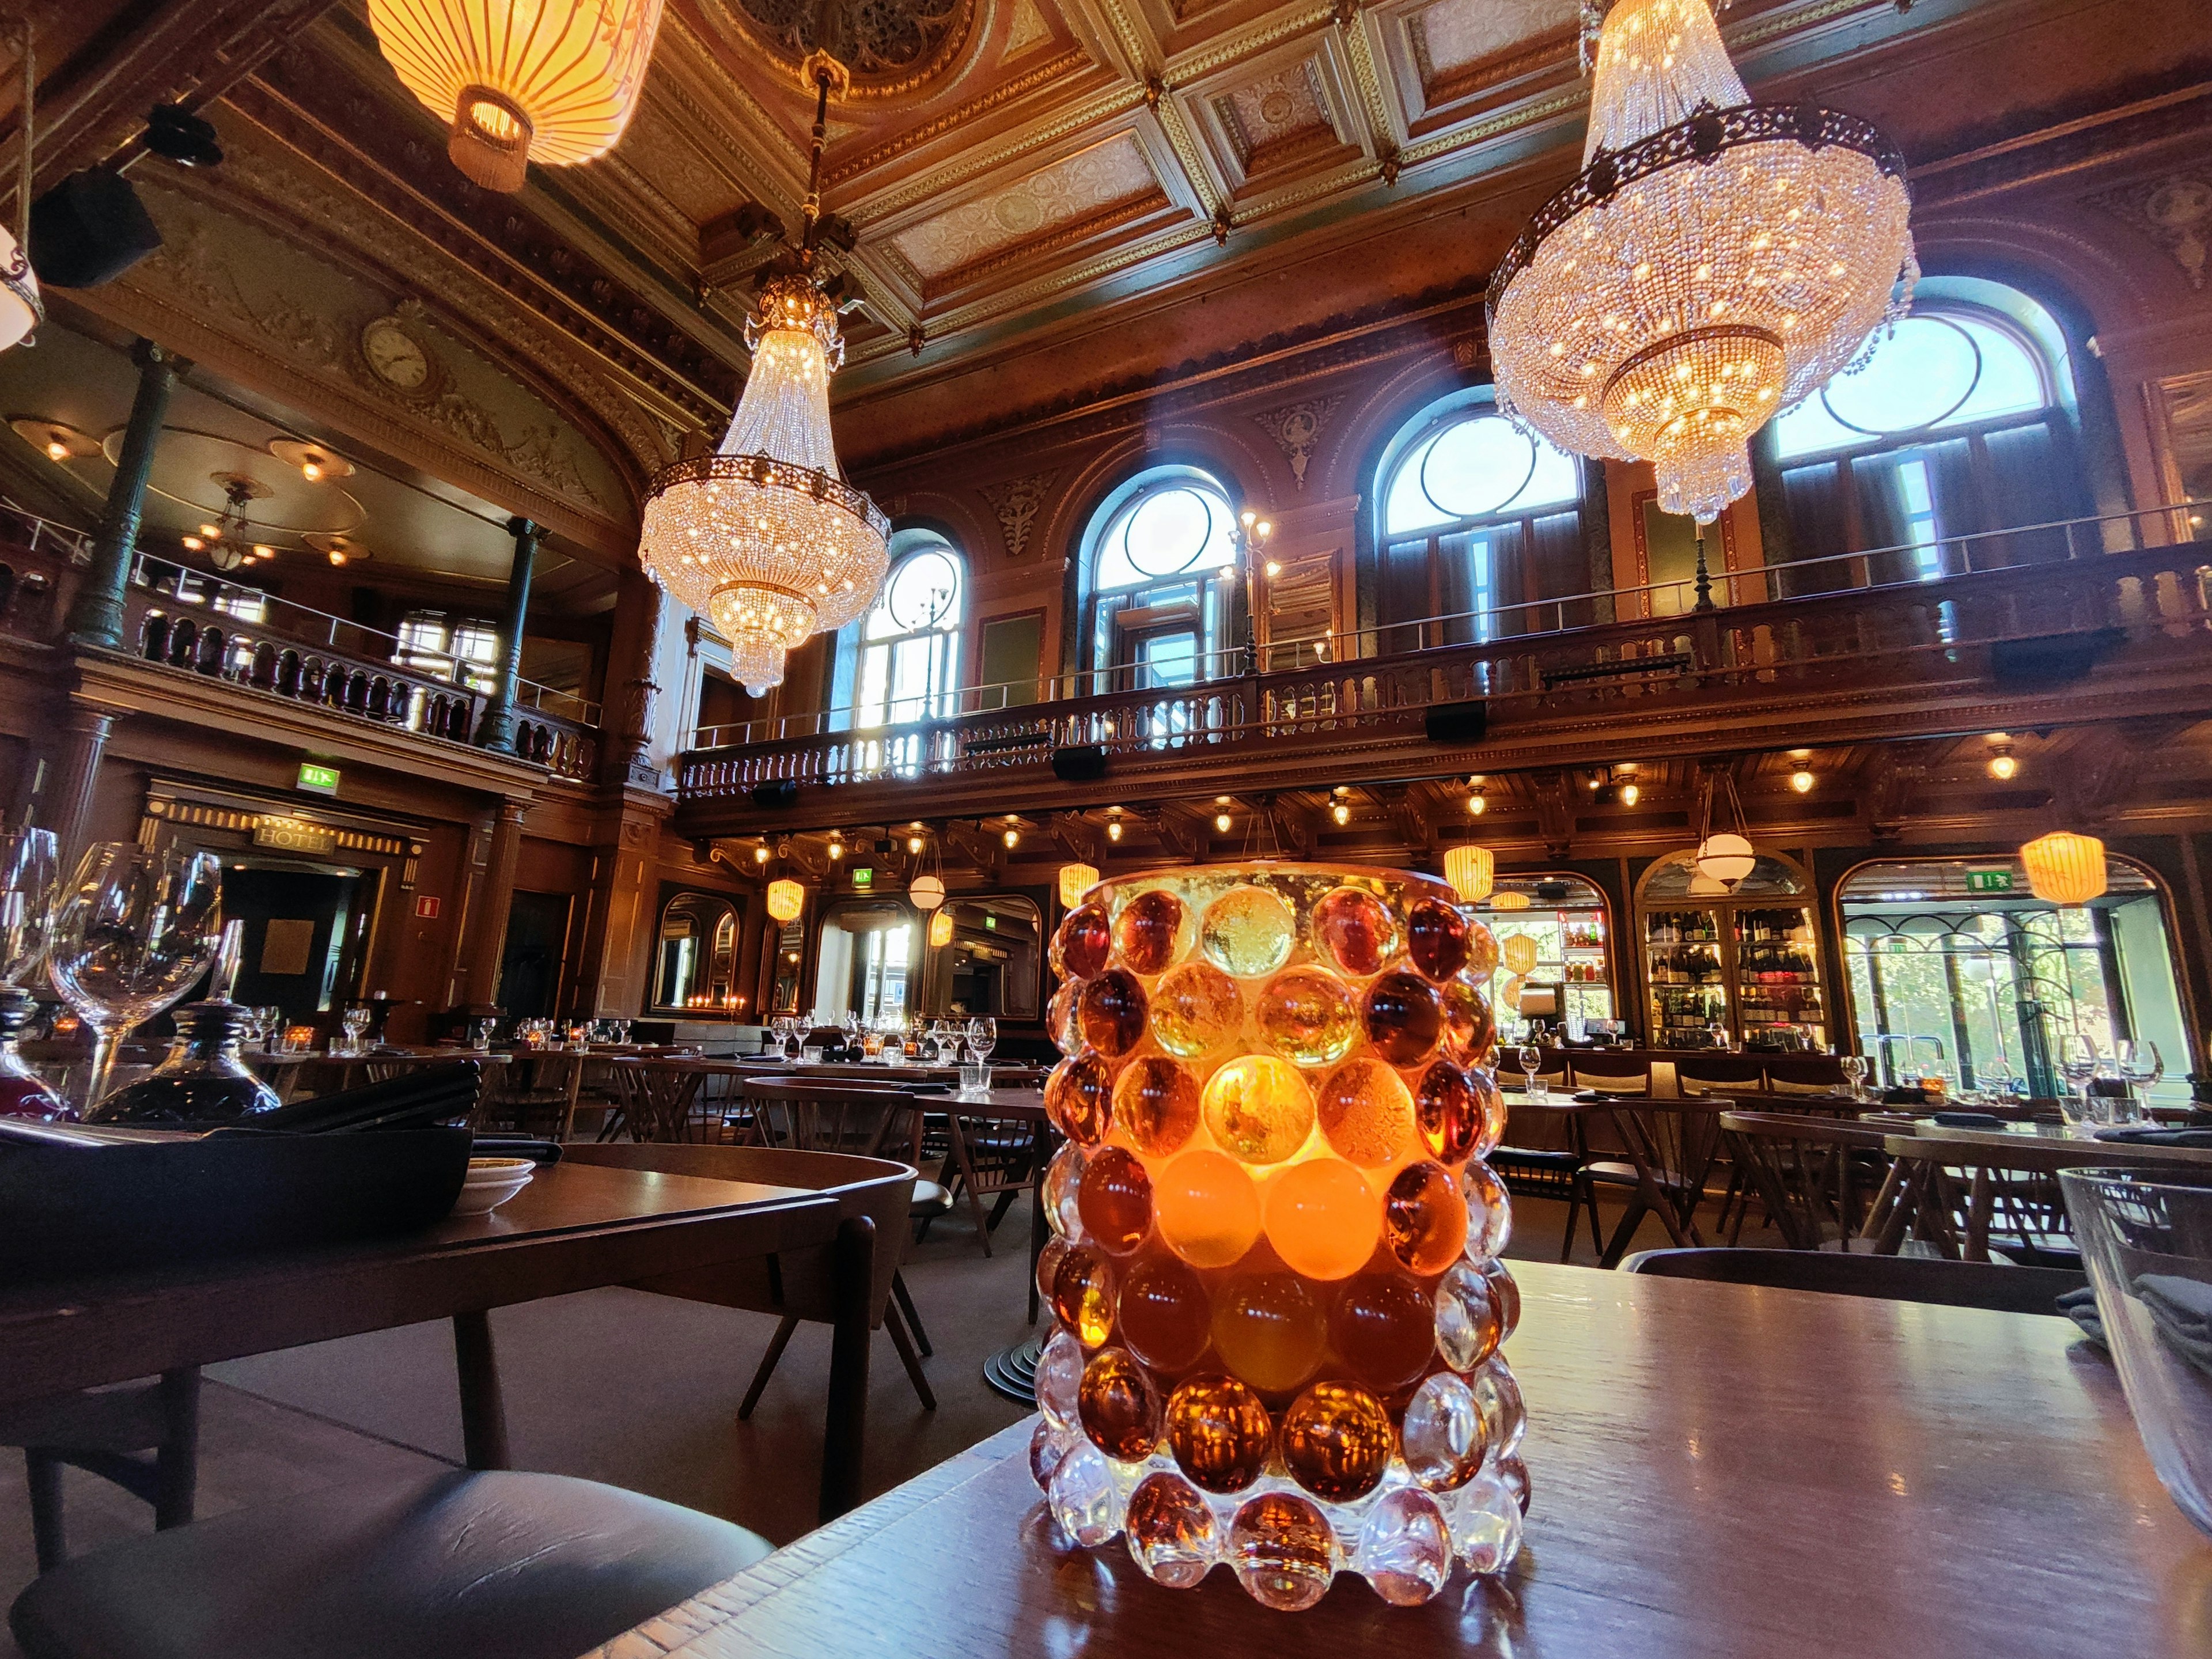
<point x="1530" y="1057"/>
<point x="355" y="1022"/>
<point x="135" y="929"/>
<point x="982" y="1036"/>
<point x="2143" y="1067"/>
<point x="29" y="869"/>
<point x="1854" y="1075"/>
<point x="2077" y="1064"/>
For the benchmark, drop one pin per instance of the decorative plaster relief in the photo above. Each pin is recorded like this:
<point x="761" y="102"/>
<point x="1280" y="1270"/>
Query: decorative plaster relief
<point x="1296" y="428"/>
<point x="1452" y="35"/>
<point x="2175" y="212"/>
<point x="1074" y="187"/>
<point x="1018" y="501"/>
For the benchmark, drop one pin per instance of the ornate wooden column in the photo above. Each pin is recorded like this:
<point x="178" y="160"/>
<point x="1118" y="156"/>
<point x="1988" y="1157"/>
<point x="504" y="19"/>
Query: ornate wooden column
<point x="95" y="614"/>
<point x="486" y="922"/>
<point x="626" y="735"/>
<point x="73" y="773"/>
<point x="496" y="729"/>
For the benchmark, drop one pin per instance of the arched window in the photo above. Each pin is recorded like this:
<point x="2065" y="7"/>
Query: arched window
<point x="1156" y="606"/>
<point x="1960" y="423"/>
<point x="1476" y="518"/>
<point x="900" y="662"/>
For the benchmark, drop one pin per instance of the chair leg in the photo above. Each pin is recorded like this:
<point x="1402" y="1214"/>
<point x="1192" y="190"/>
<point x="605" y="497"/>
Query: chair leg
<point x="776" y="1347"/>
<point x="894" y="1327"/>
<point x="913" y="1319"/>
<point x="1624" y="1234"/>
<point x="177" y="1463"/>
<point x="44" y="1470"/>
<point x="1574" y="1208"/>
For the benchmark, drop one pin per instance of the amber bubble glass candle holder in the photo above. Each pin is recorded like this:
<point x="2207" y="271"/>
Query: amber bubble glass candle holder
<point x="1277" y="1298"/>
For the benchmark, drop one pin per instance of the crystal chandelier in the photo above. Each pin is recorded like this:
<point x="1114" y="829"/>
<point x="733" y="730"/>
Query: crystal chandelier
<point x="764" y="536"/>
<point x="1715" y="262"/>
<point x="552" y="81"/>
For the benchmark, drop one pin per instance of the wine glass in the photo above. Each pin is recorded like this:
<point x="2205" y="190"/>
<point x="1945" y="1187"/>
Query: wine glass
<point x="355" y="1022"/>
<point x="137" y="927"/>
<point x="982" y="1036"/>
<point x="2143" y="1066"/>
<point x="28" y="872"/>
<point x="2077" y="1064"/>
<point x="1533" y="1085"/>
<point x="1855" y="1074"/>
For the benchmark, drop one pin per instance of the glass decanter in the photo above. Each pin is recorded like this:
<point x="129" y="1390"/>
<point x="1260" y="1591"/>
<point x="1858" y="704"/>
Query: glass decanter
<point x="204" y="1082"/>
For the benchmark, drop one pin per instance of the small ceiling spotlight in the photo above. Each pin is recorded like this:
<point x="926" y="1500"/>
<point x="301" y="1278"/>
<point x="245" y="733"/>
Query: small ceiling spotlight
<point x="1012" y="838"/>
<point x="761" y="854"/>
<point x="1477" y="803"/>
<point x="1341" y="813"/>
<point x="1221" y="822"/>
<point x="1630" y="793"/>
<point x="316" y="464"/>
<point x="1801" y="781"/>
<point x="1113" y="829"/>
<point x="2004" y="765"/>
<point x="913" y="843"/>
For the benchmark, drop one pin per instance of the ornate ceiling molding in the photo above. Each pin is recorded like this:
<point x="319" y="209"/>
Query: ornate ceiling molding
<point x="1297" y="427"/>
<point x="1017" y="502"/>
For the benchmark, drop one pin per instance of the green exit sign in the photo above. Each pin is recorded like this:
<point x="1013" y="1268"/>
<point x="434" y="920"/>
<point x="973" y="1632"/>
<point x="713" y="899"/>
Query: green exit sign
<point x="322" y="780"/>
<point x="1988" y="881"/>
<point x="863" y="877"/>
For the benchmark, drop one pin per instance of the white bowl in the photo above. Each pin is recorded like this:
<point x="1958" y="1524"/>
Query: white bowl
<point x="490" y="1182"/>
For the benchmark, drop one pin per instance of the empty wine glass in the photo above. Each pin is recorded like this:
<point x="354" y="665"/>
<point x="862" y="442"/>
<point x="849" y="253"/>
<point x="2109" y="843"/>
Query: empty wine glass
<point x="355" y="1022"/>
<point x="1531" y="1058"/>
<point x="1855" y="1074"/>
<point x="2077" y="1064"/>
<point x="982" y="1036"/>
<point x="2143" y="1066"/>
<point x="27" y="874"/>
<point x="135" y="928"/>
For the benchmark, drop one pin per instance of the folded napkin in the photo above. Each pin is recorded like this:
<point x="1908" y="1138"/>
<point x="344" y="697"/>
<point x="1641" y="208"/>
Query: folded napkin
<point x="2080" y="1307"/>
<point x="2142" y="1134"/>
<point x="1969" y="1120"/>
<point x="2182" y="1311"/>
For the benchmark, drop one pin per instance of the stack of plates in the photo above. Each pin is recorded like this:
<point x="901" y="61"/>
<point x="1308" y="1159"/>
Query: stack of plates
<point x="492" y="1182"/>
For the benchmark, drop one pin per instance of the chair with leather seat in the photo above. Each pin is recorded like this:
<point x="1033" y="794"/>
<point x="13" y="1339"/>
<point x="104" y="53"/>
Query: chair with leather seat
<point x="459" y="1564"/>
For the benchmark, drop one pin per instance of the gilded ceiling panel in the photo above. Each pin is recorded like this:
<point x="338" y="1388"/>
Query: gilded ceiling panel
<point x="1074" y="188"/>
<point x="1453" y="35"/>
<point x="1285" y="104"/>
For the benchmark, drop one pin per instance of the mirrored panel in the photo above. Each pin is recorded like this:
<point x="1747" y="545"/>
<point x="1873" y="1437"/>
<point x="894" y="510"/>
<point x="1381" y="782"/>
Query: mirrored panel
<point x="989" y="961"/>
<point x="696" y="964"/>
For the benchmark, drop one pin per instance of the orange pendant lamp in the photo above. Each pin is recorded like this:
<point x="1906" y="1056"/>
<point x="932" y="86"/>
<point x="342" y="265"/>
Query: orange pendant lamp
<point x="552" y="81"/>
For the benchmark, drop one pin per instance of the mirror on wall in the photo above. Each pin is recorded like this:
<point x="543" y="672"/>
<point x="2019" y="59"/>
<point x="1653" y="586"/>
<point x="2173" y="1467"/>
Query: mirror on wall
<point x="868" y="952"/>
<point x="992" y="964"/>
<point x="695" y="962"/>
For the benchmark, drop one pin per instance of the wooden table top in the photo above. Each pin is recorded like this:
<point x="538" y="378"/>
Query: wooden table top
<point x="1720" y="1471"/>
<point x="405" y="1057"/>
<point x="1014" y="1105"/>
<point x="2044" y="1144"/>
<point x="573" y="1227"/>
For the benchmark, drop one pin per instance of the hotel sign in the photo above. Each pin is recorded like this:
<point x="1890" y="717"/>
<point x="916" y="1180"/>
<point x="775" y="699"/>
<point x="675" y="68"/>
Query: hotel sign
<point x="294" y="836"/>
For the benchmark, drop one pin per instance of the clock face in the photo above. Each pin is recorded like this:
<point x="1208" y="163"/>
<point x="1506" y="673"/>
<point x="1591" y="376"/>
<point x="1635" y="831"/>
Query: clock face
<point x="396" y="356"/>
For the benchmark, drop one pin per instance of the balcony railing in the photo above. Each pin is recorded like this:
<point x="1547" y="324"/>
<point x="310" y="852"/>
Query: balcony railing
<point x="186" y="619"/>
<point x="1873" y="571"/>
<point x="1779" y="628"/>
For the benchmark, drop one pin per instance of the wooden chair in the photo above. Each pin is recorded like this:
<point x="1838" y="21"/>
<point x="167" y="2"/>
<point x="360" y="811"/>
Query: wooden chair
<point x="654" y="1099"/>
<point x="1698" y="1073"/>
<point x="1803" y="1074"/>
<point x="144" y="1437"/>
<point x="1551" y="1065"/>
<point x="1892" y="1278"/>
<point x="798" y="1114"/>
<point x="988" y="1157"/>
<point x="1671" y="1146"/>
<point x="1815" y="1175"/>
<point x="533" y="1094"/>
<point x="1609" y="1074"/>
<point x="797" y="1285"/>
<point x="1959" y="1196"/>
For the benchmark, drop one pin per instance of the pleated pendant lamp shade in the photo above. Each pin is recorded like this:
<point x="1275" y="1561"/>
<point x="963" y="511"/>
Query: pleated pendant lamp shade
<point x="552" y="81"/>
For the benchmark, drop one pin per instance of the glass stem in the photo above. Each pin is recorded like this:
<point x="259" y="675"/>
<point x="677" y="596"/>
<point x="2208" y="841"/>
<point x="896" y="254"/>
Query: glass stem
<point x="104" y="1047"/>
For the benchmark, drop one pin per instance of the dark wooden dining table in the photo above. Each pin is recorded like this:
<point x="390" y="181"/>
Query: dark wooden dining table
<point x="572" y="1228"/>
<point x="1720" y="1471"/>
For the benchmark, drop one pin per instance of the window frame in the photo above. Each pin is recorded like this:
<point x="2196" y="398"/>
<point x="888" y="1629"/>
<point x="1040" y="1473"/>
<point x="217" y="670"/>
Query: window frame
<point x="1212" y="604"/>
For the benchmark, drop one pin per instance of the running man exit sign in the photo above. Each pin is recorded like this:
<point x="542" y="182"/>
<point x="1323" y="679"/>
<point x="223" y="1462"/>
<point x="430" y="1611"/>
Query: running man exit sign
<point x="319" y="779"/>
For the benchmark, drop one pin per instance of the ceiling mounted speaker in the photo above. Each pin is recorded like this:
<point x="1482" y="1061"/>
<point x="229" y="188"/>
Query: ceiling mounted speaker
<point x="782" y="792"/>
<point x="1084" y="763"/>
<point x="90" y="229"/>
<point x="1457" y="722"/>
<point x="175" y="134"/>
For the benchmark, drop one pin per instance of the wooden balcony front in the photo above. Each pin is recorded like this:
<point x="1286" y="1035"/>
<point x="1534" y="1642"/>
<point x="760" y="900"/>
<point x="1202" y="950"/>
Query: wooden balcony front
<point x="2067" y="639"/>
<point x="183" y="623"/>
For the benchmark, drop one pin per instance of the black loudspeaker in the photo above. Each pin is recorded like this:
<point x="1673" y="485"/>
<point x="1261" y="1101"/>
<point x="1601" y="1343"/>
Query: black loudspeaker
<point x="782" y="793"/>
<point x="1457" y="722"/>
<point x="1086" y="764"/>
<point x="90" y="229"/>
<point x="2051" y="660"/>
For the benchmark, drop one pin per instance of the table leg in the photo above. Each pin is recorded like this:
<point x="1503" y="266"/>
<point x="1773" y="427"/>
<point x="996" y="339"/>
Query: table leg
<point x="484" y="1414"/>
<point x="1040" y="1228"/>
<point x="844" y="1433"/>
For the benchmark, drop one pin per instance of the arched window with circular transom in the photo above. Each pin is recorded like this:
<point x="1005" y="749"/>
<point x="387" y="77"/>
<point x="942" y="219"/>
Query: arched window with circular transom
<point x="1159" y="557"/>
<point x="905" y="661"/>
<point x="1961" y="424"/>
<point x="1478" y="522"/>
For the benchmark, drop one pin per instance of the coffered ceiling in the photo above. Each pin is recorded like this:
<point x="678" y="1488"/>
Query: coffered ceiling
<point x="1048" y="194"/>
